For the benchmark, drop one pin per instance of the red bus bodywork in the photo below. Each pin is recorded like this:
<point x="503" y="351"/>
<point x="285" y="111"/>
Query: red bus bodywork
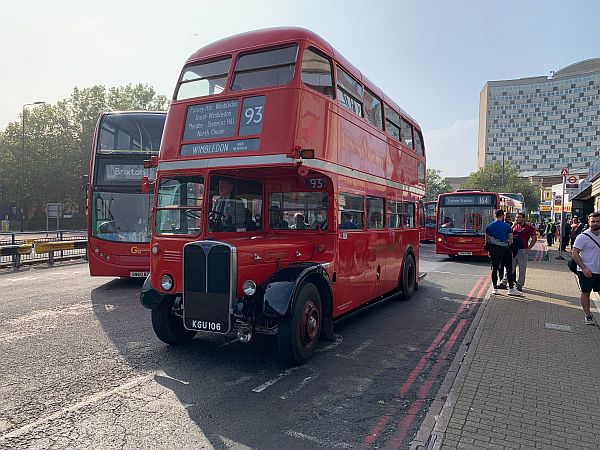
<point x="462" y="218"/>
<point x="309" y="143"/>
<point x="118" y="214"/>
<point x="428" y="222"/>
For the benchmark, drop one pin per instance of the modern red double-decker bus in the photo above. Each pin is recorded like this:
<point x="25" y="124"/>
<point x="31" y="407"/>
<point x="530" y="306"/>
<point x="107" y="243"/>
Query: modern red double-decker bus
<point x="427" y="221"/>
<point x="286" y="194"/>
<point x="462" y="218"/>
<point x="119" y="213"/>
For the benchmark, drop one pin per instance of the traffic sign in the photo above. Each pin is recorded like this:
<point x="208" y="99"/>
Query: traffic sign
<point x="564" y="172"/>
<point x="572" y="179"/>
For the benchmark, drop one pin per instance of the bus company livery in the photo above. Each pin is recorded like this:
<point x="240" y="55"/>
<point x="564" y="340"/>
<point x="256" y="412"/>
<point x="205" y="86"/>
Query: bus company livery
<point x="286" y="194"/>
<point x="118" y="212"/>
<point x="462" y="218"/>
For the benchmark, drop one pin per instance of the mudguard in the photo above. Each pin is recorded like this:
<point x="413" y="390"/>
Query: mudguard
<point x="150" y="298"/>
<point x="281" y="288"/>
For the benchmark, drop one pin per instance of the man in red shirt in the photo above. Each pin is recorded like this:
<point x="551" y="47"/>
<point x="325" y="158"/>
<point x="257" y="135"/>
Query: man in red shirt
<point x="523" y="231"/>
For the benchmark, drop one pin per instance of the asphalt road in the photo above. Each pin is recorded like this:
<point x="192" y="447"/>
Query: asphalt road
<point x="80" y="367"/>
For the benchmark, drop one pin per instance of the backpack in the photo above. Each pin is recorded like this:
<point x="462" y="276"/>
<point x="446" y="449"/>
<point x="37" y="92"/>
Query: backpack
<point x="572" y="264"/>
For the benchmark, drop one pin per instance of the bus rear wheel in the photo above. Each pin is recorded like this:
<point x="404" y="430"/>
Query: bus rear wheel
<point x="168" y="327"/>
<point x="409" y="283"/>
<point x="298" y="334"/>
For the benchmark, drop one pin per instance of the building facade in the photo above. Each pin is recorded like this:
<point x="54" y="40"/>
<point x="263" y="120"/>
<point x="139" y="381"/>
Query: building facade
<point x="543" y="124"/>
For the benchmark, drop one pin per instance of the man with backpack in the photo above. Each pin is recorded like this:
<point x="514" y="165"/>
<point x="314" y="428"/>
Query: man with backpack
<point x="586" y="253"/>
<point x="498" y="237"/>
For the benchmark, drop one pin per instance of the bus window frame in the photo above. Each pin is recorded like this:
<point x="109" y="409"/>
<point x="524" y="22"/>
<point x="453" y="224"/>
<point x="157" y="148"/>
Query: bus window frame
<point x="323" y="55"/>
<point x="241" y="54"/>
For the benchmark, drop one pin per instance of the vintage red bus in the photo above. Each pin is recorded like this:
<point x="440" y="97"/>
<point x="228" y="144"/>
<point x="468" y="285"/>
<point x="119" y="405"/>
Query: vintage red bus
<point x="462" y="218"/>
<point x="119" y="213"/>
<point x="427" y="221"/>
<point x="286" y="194"/>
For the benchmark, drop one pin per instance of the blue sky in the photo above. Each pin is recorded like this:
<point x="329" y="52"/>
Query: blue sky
<point x="432" y="57"/>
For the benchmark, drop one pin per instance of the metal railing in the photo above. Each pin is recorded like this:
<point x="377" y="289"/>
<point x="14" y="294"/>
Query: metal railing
<point x="18" y="248"/>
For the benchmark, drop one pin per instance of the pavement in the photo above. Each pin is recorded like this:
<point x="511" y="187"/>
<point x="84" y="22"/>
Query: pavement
<point x="527" y="375"/>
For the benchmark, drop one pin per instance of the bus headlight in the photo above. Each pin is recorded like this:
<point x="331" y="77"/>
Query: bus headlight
<point x="166" y="282"/>
<point x="249" y="287"/>
<point x="155" y="250"/>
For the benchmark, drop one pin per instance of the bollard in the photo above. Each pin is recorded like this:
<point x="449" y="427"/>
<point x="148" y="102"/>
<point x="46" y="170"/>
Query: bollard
<point x="51" y="258"/>
<point x="17" y="261"/>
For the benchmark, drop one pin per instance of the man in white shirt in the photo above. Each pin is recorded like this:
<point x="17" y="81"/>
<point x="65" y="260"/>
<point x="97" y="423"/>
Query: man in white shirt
<point x="586" y="253"/>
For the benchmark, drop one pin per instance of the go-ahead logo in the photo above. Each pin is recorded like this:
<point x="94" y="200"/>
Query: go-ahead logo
<point x="136" y="250"/>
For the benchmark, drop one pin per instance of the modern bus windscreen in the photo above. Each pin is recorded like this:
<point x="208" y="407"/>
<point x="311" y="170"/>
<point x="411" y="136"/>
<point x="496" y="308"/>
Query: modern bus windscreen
<point x="465" y="214"/>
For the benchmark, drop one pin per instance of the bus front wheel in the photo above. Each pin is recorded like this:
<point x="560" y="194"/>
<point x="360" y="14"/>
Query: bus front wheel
<point x="168" y="327"/>
<point x="409" y="277"/>
<point x="298" y="334"/>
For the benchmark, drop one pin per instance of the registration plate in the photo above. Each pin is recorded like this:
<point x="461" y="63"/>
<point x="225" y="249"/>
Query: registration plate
<point x="139" y="274"/>
<point x="465" y="253"/>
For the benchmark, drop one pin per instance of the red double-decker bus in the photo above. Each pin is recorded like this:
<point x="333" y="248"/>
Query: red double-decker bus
<point x="462" y="218"/>
<point x="119" y="213"/>
<point x="427" y="221"/>
<point x="286" y="194"/>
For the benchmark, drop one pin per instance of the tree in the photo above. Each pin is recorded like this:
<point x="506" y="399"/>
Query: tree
<point x="489" y="178"/>
<point x="58" y="141"/>
<point x="436" y="185"/>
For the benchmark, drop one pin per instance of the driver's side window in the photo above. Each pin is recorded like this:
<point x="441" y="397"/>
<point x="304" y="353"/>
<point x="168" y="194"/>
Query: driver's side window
<point x="235" y="205"/>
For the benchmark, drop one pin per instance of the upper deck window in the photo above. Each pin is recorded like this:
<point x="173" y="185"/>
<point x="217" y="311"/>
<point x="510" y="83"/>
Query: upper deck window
<point x="392" y="123"/>
<point x="419" y="143"/>
<point x="266" y="68"/>
<point x="349" y="92"/>
<point x="373" y="110"/>
<point x="316" y="72"/>
<point x="131" y="133"/>
<point x="203" y="79"/>
<point x="407" y="136"/>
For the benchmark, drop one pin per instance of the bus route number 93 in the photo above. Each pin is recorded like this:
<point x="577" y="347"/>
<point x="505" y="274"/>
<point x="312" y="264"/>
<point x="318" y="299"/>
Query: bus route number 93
<point x="315" y="183"/>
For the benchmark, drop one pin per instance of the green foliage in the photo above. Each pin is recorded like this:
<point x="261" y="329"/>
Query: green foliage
<point x="489" y="178"/>
<point x="436" y="185"/>
<point x="58" y="141"/>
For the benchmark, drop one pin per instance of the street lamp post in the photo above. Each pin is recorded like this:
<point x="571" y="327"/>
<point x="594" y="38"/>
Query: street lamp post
<point x="22" y="159"/>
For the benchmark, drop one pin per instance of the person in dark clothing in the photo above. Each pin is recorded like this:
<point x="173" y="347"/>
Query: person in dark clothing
<point x="498" y="237"/>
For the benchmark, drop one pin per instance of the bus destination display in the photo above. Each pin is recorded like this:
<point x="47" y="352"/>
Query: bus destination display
<point x="468" y="200"/>
<point x="211" y="120"/>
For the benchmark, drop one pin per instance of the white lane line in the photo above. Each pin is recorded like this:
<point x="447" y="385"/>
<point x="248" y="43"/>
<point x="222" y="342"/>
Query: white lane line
<point x="357" y="350"/>
<point x="19" y="279"/>
<point x="238" y="381"/>
<point x="338" y="340"/>
<point x="454" y="273"/>
<point x="303" y="383"/>
<point x="88" y="401"/>
<point x="271" y="382"/>
<point x="322" y="442"/>
<point x="233" y="341"/>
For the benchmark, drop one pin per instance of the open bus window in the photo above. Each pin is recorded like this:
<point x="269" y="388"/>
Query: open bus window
<point x="316" y="72"/>
<point x="235" y="204"/>
<point x="205" y="79"/>
<point x="351" y="211"/>
<point x="298" y="211"/>
<point x="266" y="68"/>
<point x="179" y="207"/>
<point x="120" y="217"/>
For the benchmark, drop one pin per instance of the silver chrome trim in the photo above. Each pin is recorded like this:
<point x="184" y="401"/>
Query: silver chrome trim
<point x="283" y="159"/>
<point x="232" y="281"/>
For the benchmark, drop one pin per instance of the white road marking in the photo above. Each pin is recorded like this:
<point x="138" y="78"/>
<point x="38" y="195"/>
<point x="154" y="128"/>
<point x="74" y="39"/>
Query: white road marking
<point x="338" y="340"/>
<point x="238" y="381"/>
<point x="230" y="443"/>
<point x="20" y="279"/>
<point x="322" y="442"/>
<point x="162" y="374"/>
<point x="357" y="350"/>
<point x="90" y="400"/>
<point x="454" y="273"/>
<point x="303" y="383"/>
<point x="271" y="382"/>
<point x="233" y="341"/>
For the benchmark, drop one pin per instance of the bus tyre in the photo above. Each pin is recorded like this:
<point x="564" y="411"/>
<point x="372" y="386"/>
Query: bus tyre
<point x="168" y="327"/>
<point x="409" y="277"/>
<point x="298" y="334"/>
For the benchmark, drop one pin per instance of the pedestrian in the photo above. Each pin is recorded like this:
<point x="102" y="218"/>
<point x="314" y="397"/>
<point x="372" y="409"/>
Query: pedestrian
<point x="586" y="253"/>
<point x="527" y="237"/>
<point x="542" y="228"/>
<point x="502" y="270"/>
<point x="498" y="237"/>
<point x="549" y="232"/>
<point x="576" y="229"/>
<point x="565" y="236"/>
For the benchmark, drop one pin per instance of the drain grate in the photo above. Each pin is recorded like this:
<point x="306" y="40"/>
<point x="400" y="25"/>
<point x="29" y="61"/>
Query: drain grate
<point x="558" y="326"/>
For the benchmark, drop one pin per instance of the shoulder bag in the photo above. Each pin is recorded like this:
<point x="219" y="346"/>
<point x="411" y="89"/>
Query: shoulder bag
<point x="572" y="264"/>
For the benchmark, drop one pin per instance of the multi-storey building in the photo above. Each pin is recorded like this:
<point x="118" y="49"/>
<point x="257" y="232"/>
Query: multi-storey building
<point x="543" y="124"/>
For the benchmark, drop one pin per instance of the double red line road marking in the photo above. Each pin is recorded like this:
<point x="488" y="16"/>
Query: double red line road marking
<point x="403" y="426"/>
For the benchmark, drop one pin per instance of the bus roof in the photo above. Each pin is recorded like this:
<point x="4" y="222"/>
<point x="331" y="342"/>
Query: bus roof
<point x="256" y="39"/>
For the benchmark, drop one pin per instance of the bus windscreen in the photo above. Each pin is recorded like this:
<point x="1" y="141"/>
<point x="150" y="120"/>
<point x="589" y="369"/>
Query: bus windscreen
<point x="465" y="214"/>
